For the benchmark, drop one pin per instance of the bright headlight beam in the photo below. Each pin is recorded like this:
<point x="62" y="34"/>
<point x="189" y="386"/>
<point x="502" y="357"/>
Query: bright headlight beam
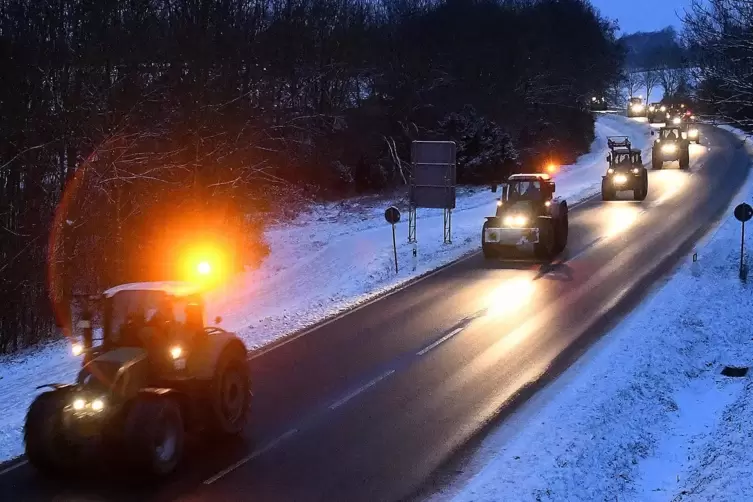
<point x="79" y="404"/>
<point x="98" y="405"/>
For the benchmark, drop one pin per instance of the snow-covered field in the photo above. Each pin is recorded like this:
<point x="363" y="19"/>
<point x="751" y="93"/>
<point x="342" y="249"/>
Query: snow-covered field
<point x="329" y="259"/>
<point x="645" y="415"/>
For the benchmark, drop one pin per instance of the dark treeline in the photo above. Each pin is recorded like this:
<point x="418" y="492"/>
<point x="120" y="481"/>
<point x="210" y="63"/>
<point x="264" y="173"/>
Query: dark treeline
<point x="654" y="50"/>
<point x="127" y="123"/>
<point x="721" y="33"/>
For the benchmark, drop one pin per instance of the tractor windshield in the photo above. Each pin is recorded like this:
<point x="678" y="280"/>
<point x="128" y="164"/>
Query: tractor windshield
<point x="621" y="159"/>
<point x="129" y="311"/>
<point x="525" y="190"/>
<point x="670" y="134"/>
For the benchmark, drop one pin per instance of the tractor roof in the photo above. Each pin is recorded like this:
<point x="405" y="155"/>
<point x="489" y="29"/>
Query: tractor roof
<point x="624" y="150"/>
<point x="172" y="288"/>
<point x="530" y="177"/>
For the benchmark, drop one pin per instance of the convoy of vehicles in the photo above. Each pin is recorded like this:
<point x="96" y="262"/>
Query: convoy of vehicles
<point x="528" y="214"/>
<point x="625" y="170"/>
<point x="156" y="374"/>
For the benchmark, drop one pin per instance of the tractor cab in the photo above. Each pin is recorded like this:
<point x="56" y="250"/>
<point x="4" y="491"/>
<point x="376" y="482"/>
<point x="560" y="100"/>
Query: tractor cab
<point x="536" y="188"/>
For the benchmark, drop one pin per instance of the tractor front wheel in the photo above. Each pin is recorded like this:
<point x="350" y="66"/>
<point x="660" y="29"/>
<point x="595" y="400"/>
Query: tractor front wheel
<point x="154" y="435"/>
<point x="46" y="446"/>
<point x="231" y="393"/>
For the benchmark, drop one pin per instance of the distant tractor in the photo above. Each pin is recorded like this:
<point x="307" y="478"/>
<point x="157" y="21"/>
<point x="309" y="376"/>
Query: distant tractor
<point x="156" y="374"/>
<point x="598" y="103"/>
<point x="657" y="113"/>
<point x="528" y="214"/>
<point x="636" y="108"/>
<point x="671" y="145"/>
<point x="625" y="171"/>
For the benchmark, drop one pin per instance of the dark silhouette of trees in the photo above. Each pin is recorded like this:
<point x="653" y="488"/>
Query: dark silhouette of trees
<point x="123" y="121"/>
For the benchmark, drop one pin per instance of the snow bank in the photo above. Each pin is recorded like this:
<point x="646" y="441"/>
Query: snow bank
<point x="645" y="415"/>
<point x="329" y="259"/>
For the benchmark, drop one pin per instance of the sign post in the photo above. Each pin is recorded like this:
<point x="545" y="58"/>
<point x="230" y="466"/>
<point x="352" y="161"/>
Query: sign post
<point x="432" y="183"/>
<point x="392" y="215"/>
<point x="743" y="213"/>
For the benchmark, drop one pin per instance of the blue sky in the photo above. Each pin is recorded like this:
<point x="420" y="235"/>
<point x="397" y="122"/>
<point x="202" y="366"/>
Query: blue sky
<point x="643" y="15"/>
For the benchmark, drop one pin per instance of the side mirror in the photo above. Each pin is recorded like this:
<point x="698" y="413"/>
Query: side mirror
<point x="554" y="187"/>
<point x="494" y="188"/>
<point x="218" y="319"/>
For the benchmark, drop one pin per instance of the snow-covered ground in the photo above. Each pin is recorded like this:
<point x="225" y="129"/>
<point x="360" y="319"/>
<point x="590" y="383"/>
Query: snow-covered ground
<point x="329" y="259"/>
<point x="645" y="415"/>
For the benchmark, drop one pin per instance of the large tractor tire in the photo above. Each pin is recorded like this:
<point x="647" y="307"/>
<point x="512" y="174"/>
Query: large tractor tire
<point x="607" y="192"/>
<point x="656" y="163"/>
<point x="489" y="252"/>
<point x="46" y="446"/>
<point x="642" y="192"/>
<point x="546" y="248"/>
<point x="562" y="232"/>
<point x="230" y="397"/>
<point x="154" y="435"/>
<point x="685" y="159"/>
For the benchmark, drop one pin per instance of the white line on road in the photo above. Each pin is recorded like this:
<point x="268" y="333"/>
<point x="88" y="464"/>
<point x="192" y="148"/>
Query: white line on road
<point x="439" y="342"/>
<point x="249" y="458"/>
<point x="13" y="467"/>
<point x="360" y="389"/>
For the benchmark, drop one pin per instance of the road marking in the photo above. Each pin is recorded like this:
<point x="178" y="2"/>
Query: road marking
<point x="250" y="457"/>
<point x="353" y="394"/>
<point x="440" y="341"/>
<point x="13" y="467"/>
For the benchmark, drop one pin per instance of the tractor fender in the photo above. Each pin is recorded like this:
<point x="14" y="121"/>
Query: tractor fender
<point x="217" y="345"/>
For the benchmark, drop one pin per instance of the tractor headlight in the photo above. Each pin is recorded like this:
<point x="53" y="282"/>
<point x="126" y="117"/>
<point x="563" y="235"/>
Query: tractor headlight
<point x="620" y="179"/>
<point x="676" y="120"/>
<point x="515" y="221"/>
<point x="652" y="108"/>
<point x="638" y="108"/>
<point x="84" y="406"/>
<point x="98" y="405"/>
<point x="610" y="171"/>
<point x="669" y="148"/>
<point x="79" y="404"/>
<point x="499" y="203"/>
<point x="693" y="133"/>
<point x="77" y="349"/>
<point x="176" y="352"/>
<point x="663" y="108"/>
<point x="636" y="170"/>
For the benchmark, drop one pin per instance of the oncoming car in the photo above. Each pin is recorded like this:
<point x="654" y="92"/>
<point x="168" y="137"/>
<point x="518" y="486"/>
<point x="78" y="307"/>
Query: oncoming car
<point x="528" y="214"/>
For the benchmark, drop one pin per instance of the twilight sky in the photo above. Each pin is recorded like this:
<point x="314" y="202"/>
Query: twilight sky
<point x="643" y="15"/>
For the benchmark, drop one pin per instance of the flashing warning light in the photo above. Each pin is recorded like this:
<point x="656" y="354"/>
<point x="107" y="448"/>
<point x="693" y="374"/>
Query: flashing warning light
<point x="204" y="268"/>
<point x="551" y="168"/>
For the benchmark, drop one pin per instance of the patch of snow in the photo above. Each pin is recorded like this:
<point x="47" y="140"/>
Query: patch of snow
<point x="644" y="415"/>
<point x="329" y="259"/>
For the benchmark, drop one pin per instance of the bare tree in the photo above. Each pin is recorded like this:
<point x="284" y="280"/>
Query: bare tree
<point x="649" y="80"/>
<point x="632" y="82"/>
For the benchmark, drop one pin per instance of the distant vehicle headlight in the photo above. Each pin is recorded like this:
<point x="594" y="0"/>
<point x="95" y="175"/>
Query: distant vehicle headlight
<point x="638" y="108"/>
<point x="693" y="133"/>
<point x="663" y="108"/>
<point x="669" y="148"/>
<point x="676" y="120"/>
<point x="652" y="108"/>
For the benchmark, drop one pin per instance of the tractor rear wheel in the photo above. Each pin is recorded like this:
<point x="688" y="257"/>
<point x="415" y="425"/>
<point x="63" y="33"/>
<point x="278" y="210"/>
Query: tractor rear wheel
<point x="46" y="446"/>
<point x="546" y="248"/>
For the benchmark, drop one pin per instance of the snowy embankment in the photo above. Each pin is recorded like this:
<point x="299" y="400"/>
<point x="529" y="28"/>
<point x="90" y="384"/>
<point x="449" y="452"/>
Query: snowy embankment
<point x="327" y="260"/>
<point x="645" y="415"/>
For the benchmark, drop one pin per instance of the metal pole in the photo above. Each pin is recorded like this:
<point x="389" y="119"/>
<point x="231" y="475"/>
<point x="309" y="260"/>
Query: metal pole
<point x="394" y="246"/>
<point x="742" y="251"/>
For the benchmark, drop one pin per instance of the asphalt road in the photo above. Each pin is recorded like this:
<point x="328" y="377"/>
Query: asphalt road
<point x="367" y="406"/>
